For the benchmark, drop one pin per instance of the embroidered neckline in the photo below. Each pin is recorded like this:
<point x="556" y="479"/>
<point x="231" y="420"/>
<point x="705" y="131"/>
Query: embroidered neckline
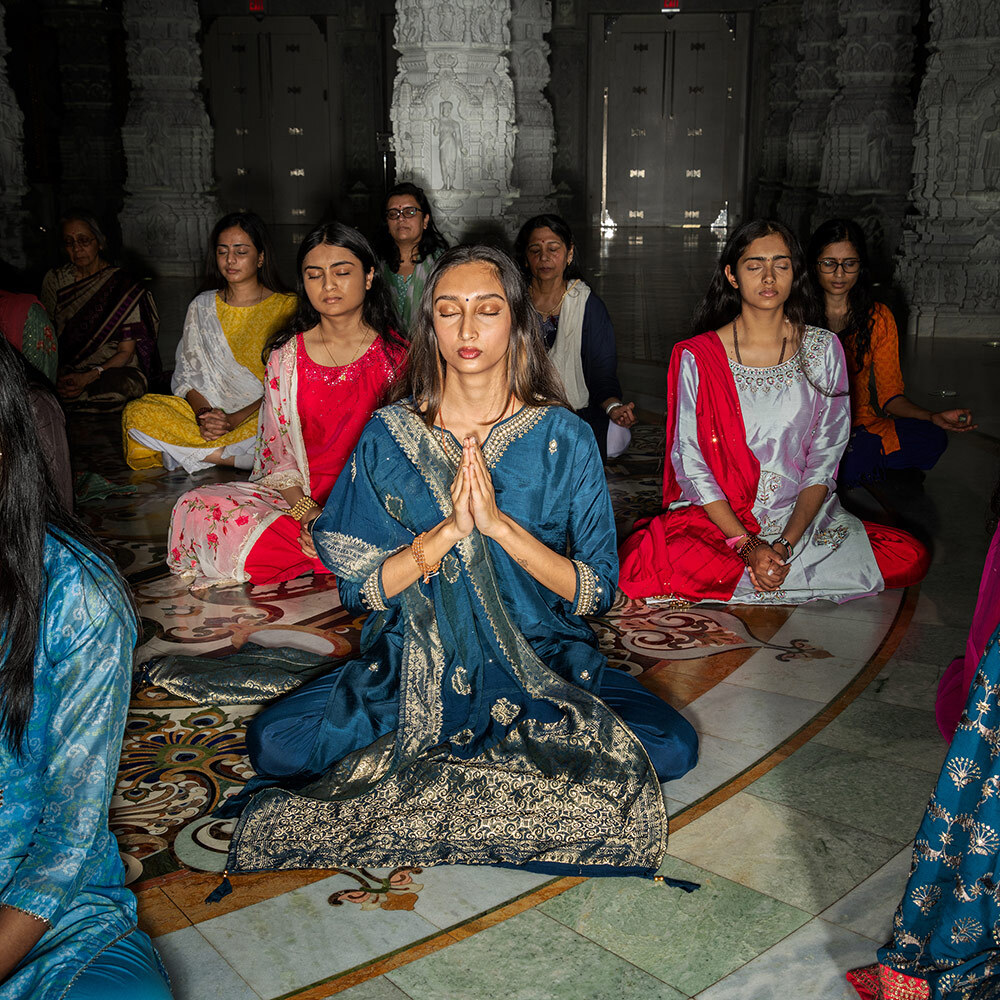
<point x="807" y="337"/>
<point x="500" y="437"/>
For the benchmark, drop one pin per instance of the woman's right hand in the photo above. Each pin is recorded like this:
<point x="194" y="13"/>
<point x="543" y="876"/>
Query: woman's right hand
<point x="213" y="424"/>
<point x="461" y="520"/>
<point x="767" y="569"/>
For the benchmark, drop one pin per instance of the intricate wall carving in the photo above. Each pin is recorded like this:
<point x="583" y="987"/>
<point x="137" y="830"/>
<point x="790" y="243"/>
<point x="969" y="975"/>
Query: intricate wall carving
<point x="453" y="119"/>
<point x="532" y="173"/>
<point x="950" y="246"/>
<point x="815" y="85"/>
<point x="868" y="141"/>
<point x="780" y="22"/>
<point x="12" y="180"/>
<point x="167" y="138"/>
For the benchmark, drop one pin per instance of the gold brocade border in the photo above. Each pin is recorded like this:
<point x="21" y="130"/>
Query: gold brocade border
<point x="410" y="953"/>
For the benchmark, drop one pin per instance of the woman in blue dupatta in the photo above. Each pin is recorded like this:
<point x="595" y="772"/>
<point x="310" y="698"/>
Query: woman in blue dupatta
<point x="481" y="724"/>
<point x="68" y="925"/>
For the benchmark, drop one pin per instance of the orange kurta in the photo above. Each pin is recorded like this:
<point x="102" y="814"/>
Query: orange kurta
<point x="878" y="380"/>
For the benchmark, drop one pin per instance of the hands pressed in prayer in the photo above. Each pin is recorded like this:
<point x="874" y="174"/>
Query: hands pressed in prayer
<point x="305" y="532"/>
<point x="472" y="494"/>
<point x="768" y="568"/>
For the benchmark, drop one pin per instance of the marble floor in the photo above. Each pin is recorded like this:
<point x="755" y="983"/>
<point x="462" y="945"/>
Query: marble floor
<point x="818" y="747"/>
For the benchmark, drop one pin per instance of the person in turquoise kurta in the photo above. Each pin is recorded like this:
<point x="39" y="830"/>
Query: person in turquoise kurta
<point x="67" y="923"/>
<point x="481" y="723"/>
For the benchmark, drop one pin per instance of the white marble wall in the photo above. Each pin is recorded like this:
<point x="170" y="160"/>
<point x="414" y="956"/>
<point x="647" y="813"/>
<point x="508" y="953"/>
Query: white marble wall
<point x="167" y="138"/>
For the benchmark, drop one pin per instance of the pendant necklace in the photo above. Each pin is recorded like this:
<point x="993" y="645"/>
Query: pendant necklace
<point x="344" y="368"/>
<point x="736" y="347"/>
<point x="558" y="305"/>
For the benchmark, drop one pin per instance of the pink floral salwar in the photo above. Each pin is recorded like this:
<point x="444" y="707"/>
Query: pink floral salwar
<point x="310" y="420"/>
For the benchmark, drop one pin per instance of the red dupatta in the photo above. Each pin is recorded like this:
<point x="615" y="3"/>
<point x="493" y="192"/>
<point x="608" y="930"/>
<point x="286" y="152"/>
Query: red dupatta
<point x="681" y="553"/>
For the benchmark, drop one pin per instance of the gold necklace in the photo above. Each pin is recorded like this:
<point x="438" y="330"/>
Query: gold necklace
<point x="329" y="353"/>
<point x="558" y="305"/>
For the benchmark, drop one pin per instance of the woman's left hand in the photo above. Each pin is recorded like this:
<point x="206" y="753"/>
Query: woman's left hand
<point x="954" y="420"/>
<point x="305" y="532"/>
<point x="485" y="512"/>
<point x="72" y="384"/>
<point x="623" y="415"/>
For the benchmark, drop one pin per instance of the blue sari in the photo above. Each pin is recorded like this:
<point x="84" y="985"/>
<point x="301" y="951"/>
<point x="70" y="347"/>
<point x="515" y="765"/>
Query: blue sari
<point x="946" y="931"/>
<point x="469" y="730"/>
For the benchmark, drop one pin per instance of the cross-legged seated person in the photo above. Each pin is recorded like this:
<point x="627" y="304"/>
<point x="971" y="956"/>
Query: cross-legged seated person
<point x="758" y="416"/>
<point x="481" y="724"/>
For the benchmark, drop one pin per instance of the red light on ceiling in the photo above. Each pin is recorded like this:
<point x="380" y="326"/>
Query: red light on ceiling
<point x="670" y="6"/>
<point x="256" y="6"/>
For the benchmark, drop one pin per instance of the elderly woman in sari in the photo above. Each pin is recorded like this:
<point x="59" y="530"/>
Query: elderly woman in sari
<point x="481" y="724"/>
<point x="105" y="320"/>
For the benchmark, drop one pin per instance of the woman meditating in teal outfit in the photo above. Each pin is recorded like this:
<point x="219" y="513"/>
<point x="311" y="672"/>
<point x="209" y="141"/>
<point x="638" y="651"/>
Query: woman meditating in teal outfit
<point x="67" y="923"/>
<point x="481" y="724"/>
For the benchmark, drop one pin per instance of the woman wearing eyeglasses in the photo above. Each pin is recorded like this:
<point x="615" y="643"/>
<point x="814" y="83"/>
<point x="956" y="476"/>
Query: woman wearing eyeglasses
<point x="409" y="247"/>
<point x="106" y="322"/>
<point x="889" y="431"/>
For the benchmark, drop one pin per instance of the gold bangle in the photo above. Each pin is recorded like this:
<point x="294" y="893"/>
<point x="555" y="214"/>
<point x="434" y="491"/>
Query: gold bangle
<point x="302" y="507"/>
<point x="417" y="551"/>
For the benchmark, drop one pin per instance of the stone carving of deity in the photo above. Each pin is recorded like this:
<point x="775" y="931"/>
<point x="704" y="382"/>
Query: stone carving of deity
<point x="989" y="153"/>
<point x="450" y="144"/>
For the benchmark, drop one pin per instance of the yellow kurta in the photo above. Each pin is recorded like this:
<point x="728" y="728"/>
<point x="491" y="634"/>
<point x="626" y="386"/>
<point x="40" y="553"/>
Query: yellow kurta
<point x="171" y="419"/>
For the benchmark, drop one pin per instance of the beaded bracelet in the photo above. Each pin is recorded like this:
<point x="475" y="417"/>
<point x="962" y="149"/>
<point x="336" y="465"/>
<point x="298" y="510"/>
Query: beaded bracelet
<point x="752" y="543"/>
<point x="302" y="507"/>
<point x="417" y="551"/>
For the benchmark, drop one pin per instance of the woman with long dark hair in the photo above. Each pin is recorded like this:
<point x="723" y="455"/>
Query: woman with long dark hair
<point x="67" y="631"/>
<point x="409" y="245"/>
<point x="890" y="431"/>
<point x="105" y="319"/>
<point x="326" y="372"/>
<point x="758" y="416"/>
<point x="576" y="329"/>
<point x="481" y="724"/>
<point x="211" y="418"/>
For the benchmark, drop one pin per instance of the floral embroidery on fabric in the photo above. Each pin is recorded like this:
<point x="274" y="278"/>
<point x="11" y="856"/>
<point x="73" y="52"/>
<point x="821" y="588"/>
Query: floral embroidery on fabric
<point x="394" y="505"/>
<point x="460" y="681"/>
<point x="504" y="711"/>
<point x="833" y="536"/>
<point x="462" y="737"/>
<point x="767" y="487"/>
<point x="451" y="567"/>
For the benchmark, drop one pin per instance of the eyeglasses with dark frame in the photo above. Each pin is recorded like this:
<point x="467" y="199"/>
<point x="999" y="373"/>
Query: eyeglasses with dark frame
<point x="80" y="241"/>
<point x="829" y="265"/>
<point x="392" y="214"/>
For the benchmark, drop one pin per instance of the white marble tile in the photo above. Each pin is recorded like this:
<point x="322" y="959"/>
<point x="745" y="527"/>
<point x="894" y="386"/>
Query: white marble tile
<point x="453" y="893"/>
<point x="816" y="679"/>
<point x="760" y="719"/>
<point x="843" y="637"/>
<point x="373" y="989"/>
<point x="907" y="682"/>
<point x="869" y="908"/>
<point x="809" y="963"/>
<point x="193" y="964"/>
<point x="298" y="938"/>
<point x="718" y="761"/>
<point x="877" y="608"/>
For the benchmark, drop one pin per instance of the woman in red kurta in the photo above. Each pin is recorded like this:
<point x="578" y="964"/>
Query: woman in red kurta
<point x="325" y="376"/>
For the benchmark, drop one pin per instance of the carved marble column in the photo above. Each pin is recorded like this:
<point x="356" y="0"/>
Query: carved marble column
<point x="532" y="174"/>
<point x="453" y="107"/>
<point x="815" y="85"/>
<point x="868" y="143"/>
<point x="779" y="21"/>
<point x="951" y="244"/>
<point x="12" y="179"/>
<point x="167" y="137"/>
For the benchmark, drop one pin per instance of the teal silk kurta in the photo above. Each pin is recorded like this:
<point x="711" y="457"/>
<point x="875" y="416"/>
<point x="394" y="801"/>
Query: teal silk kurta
<point x="467" y="731"/>
<point x="58" y="860"/>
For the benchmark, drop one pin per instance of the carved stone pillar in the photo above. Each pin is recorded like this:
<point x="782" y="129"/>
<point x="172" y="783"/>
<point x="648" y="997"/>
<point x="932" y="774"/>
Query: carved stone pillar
<point x="167" y="137"/>
<point x="89" y="39"/>
<point x="815" y="85"/>
<point x="868" y="145"/>
<point x="453" y="107"/>
<point x="779" y="21"/>
<point x="532" y="174"/>
<point x="951" y="244"/>
<point x="12" y="180"/>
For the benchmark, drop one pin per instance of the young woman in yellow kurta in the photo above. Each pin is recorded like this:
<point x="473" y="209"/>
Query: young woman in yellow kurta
<point x="211" y="418"/>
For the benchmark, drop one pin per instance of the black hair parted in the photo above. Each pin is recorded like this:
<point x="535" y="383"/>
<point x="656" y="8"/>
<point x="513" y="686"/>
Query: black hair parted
<point x="431" y="241"/>
<point x="560" y="227"/>
<point x="378" y="311"/>
<point x="253" y="225"/>
<point x="722" y="303"/>
<point x="856" y="336"/>
<point x="29" y="509"/>
<point x="531" y="376"/>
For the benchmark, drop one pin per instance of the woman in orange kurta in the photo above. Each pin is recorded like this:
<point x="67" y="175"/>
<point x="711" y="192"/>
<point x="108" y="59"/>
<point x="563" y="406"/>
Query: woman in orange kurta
<point x="889" y="431"/>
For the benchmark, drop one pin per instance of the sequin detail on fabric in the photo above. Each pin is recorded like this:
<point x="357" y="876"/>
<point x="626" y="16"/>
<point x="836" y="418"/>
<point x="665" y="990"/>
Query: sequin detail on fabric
<point x="587" y="589"/>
